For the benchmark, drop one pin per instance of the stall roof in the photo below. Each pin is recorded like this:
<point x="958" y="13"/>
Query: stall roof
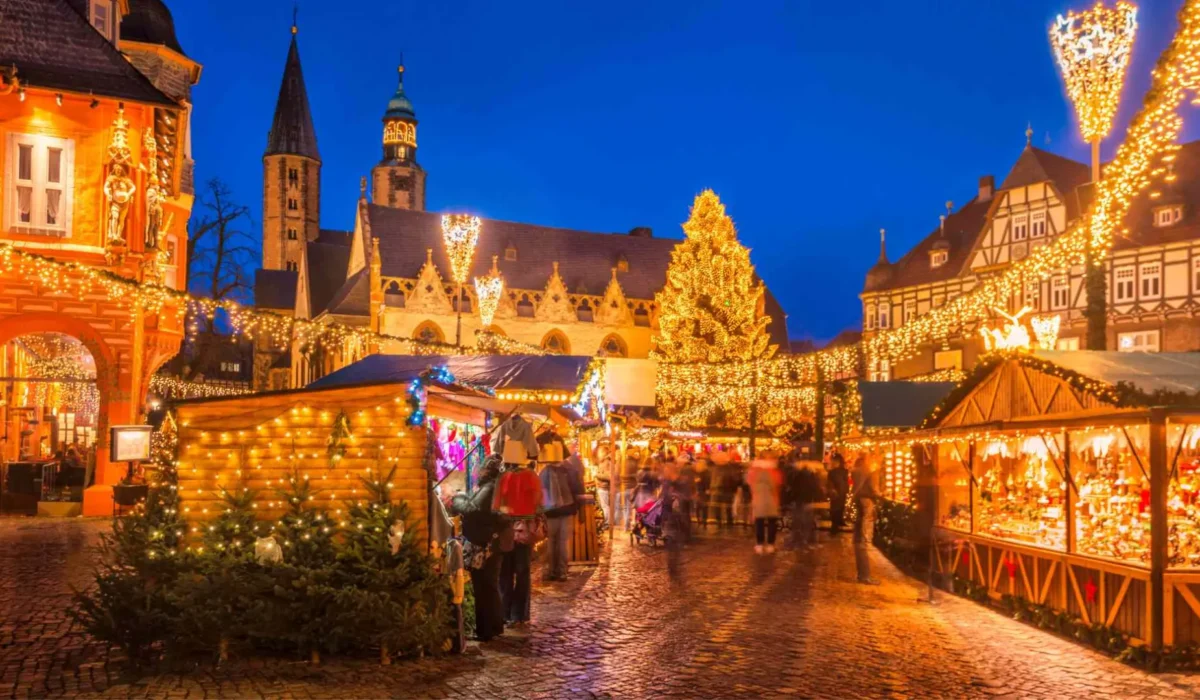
<point x="530" y="372"/>
<point x="1148" y="372"/>
<point x="900" y="404"/>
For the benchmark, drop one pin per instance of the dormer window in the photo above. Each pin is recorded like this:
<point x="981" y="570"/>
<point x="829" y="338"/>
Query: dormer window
<point x="1168" y="215"/>
<point x="937" y="258"/>
<point x="102" y="17"/>
<point x="622" y="264"/>
<point x="510" y="253"/>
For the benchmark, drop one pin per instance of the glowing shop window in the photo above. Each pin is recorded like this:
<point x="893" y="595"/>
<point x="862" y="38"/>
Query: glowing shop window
<point x="1067" y="344"/>
<point x="1112" y="516"/>
<point x="1022" y="493"/>
<point x="954" y="486"/>
<point x="1139" y="341"/>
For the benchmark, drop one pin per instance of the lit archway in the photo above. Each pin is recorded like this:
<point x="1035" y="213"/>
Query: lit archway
<point x="556" y="343"/>
<point x="429" y="332"/>
<point x="613" y="346"/>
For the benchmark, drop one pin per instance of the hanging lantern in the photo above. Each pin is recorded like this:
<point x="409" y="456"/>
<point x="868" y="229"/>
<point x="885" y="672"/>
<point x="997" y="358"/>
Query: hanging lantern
<point x="488" y="290"/>
<point x="1093" y="49"/>
<point x="460" y="232"/>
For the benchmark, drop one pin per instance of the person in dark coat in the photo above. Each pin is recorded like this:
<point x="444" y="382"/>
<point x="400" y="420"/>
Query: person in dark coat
<point x="481" y="528"/>
<point x="704" y="477"/>
<point x="838" y="487"/>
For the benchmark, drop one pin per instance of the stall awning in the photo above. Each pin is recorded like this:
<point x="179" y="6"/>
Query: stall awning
<point x="900" y="404"/>
<point x="1146" y="371"/>
<point x="526" y="372"/>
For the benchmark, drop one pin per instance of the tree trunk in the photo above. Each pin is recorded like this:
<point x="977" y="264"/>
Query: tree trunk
<point x="1096" y="282"/>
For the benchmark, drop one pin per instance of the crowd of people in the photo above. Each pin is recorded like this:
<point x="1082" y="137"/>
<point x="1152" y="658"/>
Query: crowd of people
<point x="715" y="489"/>
<point x="721" y="490"/>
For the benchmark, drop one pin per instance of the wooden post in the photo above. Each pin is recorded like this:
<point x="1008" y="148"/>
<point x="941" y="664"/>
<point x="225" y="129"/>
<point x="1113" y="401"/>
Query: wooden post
<point x="1158" y="522"/>
<point x="1072" y="497"/>
<point x="972" y="485"/>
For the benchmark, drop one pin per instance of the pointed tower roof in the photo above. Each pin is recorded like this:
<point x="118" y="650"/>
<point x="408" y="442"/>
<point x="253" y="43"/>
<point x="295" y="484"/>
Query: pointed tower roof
<point x="400" y="106"/>
<point x="1036" y="165"/>
<point x="292" y="129"/>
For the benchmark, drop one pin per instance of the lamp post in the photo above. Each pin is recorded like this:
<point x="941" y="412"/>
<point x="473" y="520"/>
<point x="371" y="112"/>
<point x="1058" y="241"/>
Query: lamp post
<point x="1093" y="48"/>
<point x="488" y="290"/>
<point x="460" y="232"/>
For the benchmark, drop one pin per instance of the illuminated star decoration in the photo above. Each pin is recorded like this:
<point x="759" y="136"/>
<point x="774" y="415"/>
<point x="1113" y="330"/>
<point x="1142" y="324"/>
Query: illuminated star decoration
<point x="1093" y="49"/>
<point x="488" y="290"/>
<point x="460" y="232"/>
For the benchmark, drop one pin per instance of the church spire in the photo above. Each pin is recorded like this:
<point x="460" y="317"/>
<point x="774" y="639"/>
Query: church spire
<point x="292" y="130"/>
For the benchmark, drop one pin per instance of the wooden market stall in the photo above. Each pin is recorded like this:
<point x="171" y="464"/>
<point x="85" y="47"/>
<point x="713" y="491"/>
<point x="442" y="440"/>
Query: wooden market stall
<point x="333" y="437"/>
<point x="1070" y="480"/>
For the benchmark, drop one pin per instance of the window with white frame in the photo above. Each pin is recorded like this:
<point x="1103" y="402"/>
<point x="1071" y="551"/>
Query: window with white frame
<point x="1139" y="341"/>
<point x="40" y="184"/>
<point x="1060" y="292"/>
<point x="870" y="316"/>
<point x="1037" y="224"/>
<point x="938" y="258"/>
<point x="1020" y="228"/>
<point x="910" y="310"/>
<point x="880" y="371"/>
<point x="1151" y="276"/>
<point x="102" y="17"/>
<point x="885" y="314"/>
<point x="171" y="263"/>
<point x="1033" y="295"/>
<point x="1123" y="284"/>
<point x="1168" y="215"/>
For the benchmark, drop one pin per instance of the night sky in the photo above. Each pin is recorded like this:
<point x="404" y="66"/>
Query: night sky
<point x="817" y="123"/>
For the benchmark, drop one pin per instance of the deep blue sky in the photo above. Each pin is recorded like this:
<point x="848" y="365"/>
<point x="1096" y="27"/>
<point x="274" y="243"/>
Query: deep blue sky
<point x="817" y="123"/>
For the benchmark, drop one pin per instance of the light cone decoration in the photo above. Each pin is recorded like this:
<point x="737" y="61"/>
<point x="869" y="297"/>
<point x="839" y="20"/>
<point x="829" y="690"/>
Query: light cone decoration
<point x="488" y="290"/>
<point x="460" y="232"/>
<point x="1093" y="49"/>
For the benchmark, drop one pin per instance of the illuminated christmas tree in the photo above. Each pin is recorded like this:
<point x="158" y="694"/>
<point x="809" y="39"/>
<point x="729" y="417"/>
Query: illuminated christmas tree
<point x="709" y="310"/>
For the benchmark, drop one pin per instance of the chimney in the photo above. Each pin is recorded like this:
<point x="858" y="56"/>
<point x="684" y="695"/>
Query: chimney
<point x="642" y="232"/>
<point x="987" y="186"/>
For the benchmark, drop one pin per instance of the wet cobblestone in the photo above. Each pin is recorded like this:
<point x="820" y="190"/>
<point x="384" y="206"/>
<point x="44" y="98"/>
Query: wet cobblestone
<point x="737" y="625"/>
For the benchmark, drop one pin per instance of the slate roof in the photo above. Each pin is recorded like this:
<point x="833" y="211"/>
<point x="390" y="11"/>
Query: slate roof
<point x="327" y="264"/>
<point x="275" y="289"/>
<point x="150" y="22"/>
<point x="354" y="297"/>
<point x="900" y="404"/>
<point x="292" y="130"/>
<point x="962" y="227"/>
<point x="1035" y="165"/>
<point x="1185" y="190"/>
<point x="585" y="259"/>
<point x="54" y="47"/>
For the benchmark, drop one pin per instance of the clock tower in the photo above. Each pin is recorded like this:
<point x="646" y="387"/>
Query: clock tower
<point x="398" y="181"/>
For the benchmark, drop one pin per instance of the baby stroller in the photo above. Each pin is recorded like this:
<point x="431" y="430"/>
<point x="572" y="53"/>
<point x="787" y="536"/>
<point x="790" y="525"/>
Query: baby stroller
<point x="649" y="523"/>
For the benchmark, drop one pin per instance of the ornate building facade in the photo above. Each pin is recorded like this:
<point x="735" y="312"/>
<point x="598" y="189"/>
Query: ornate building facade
<point x="1153" y="272"/>
<point x="95" y="108"/>
<point x="566" y="291"/>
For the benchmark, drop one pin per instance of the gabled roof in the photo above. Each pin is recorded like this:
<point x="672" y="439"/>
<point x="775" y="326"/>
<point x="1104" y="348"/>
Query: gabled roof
<point x="292" y="130"/>
<point x="1035" y="165"/>
<point x="327" y="264"/>
<point x="962" y="227"/>
<point x="53" y="46"/>
<point x="275" y="289"/>
<point x="354" y="297"/>
<point x="1185" y="190"/>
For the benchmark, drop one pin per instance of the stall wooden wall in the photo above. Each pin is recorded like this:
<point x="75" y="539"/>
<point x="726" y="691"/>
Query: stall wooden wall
<point x="258" y="442"/>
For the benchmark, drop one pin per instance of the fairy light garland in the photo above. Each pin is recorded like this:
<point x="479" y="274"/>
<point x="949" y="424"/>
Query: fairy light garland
<point x="174" y="388"/>
<point x="460" y="233"/>
<point x="488" y="290"/>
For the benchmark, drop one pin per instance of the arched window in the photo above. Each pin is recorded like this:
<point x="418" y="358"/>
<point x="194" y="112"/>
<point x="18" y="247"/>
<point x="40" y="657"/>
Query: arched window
<point x="393" y="297"/>
<point x="583" y="312"/>
<point x="556" y="343"/>
<point x="641" y="317"/>
<point x="525" y="307"/>
<point x="613" y="346"/>
<point x="428" y="332"/>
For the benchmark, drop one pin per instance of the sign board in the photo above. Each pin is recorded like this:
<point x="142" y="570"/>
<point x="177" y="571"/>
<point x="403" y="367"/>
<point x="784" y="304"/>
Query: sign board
<point x="130" y="443"/>
<point x="629" y="382"/>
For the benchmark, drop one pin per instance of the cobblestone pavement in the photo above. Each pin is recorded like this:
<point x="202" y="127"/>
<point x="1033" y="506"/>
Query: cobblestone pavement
<point x="737" y="625"/>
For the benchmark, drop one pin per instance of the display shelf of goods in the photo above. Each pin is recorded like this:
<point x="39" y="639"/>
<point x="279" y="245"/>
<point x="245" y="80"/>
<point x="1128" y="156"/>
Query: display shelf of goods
<point x="954" y="487"/>
<point x="899" y="474"/>
<point x="1112" y="513"/>
<point x="1183" y="498"/>
<point x="1022" y="494"/>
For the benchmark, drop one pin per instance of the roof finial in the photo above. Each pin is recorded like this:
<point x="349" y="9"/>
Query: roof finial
<point x="495" y="268"/>
<point x="883" y="245"/>
<point x="362" y="186"/>
<point x="942" y="218"/>
<point x="429" y="256"/>
<point x="1029" y="134"/>
<point x="295" y="14"/>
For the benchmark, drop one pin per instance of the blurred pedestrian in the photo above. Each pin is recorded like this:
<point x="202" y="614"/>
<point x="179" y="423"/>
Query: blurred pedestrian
<point x="685" y="484"/>
<point x="482" y="529"/>
<point x="604" y="477"/>
<point x="765" y="483"/>
<point x="703" y="486"/>
<point x="727" y="478"/>
<point x="628" y="484"/>
<point x="838" y="487"/>
<point x="673" y="494"/>
<point x="562" y="486"/>
<point x="864" y="526"/>
<point x="806" y="493"/>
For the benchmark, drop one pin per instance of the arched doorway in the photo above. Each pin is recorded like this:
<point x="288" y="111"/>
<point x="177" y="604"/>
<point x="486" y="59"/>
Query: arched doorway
<point x="49" y="421"/>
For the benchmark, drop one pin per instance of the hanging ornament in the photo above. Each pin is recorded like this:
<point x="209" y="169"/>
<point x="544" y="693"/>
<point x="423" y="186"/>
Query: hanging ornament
<point x="267" y="550"/>
<point x="1011" y="566"/>
<point x="396" y="536"/>
<point x="1089" y="591"/>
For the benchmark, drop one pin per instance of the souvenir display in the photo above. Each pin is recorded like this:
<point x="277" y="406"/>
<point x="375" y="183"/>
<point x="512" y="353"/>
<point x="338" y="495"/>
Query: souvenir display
<point x="1112" y="514"/>
<point x="1022" y="495"/>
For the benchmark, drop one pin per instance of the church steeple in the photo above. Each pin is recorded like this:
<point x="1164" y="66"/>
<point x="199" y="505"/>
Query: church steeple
<point x="398" y="181"/>
<point x="291" y="172"/>
<point x="292" y="129"/>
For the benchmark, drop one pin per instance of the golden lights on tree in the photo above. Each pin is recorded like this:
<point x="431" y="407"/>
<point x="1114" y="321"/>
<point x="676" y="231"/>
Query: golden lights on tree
<point x="1093" y="49"/>
<point x="488" y="290"/>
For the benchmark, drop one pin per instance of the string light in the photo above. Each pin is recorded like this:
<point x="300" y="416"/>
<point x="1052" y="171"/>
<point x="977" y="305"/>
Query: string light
<point x="460" y="233"/>
<point x="175" y="388"/>
<point x="488" y="290"/>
